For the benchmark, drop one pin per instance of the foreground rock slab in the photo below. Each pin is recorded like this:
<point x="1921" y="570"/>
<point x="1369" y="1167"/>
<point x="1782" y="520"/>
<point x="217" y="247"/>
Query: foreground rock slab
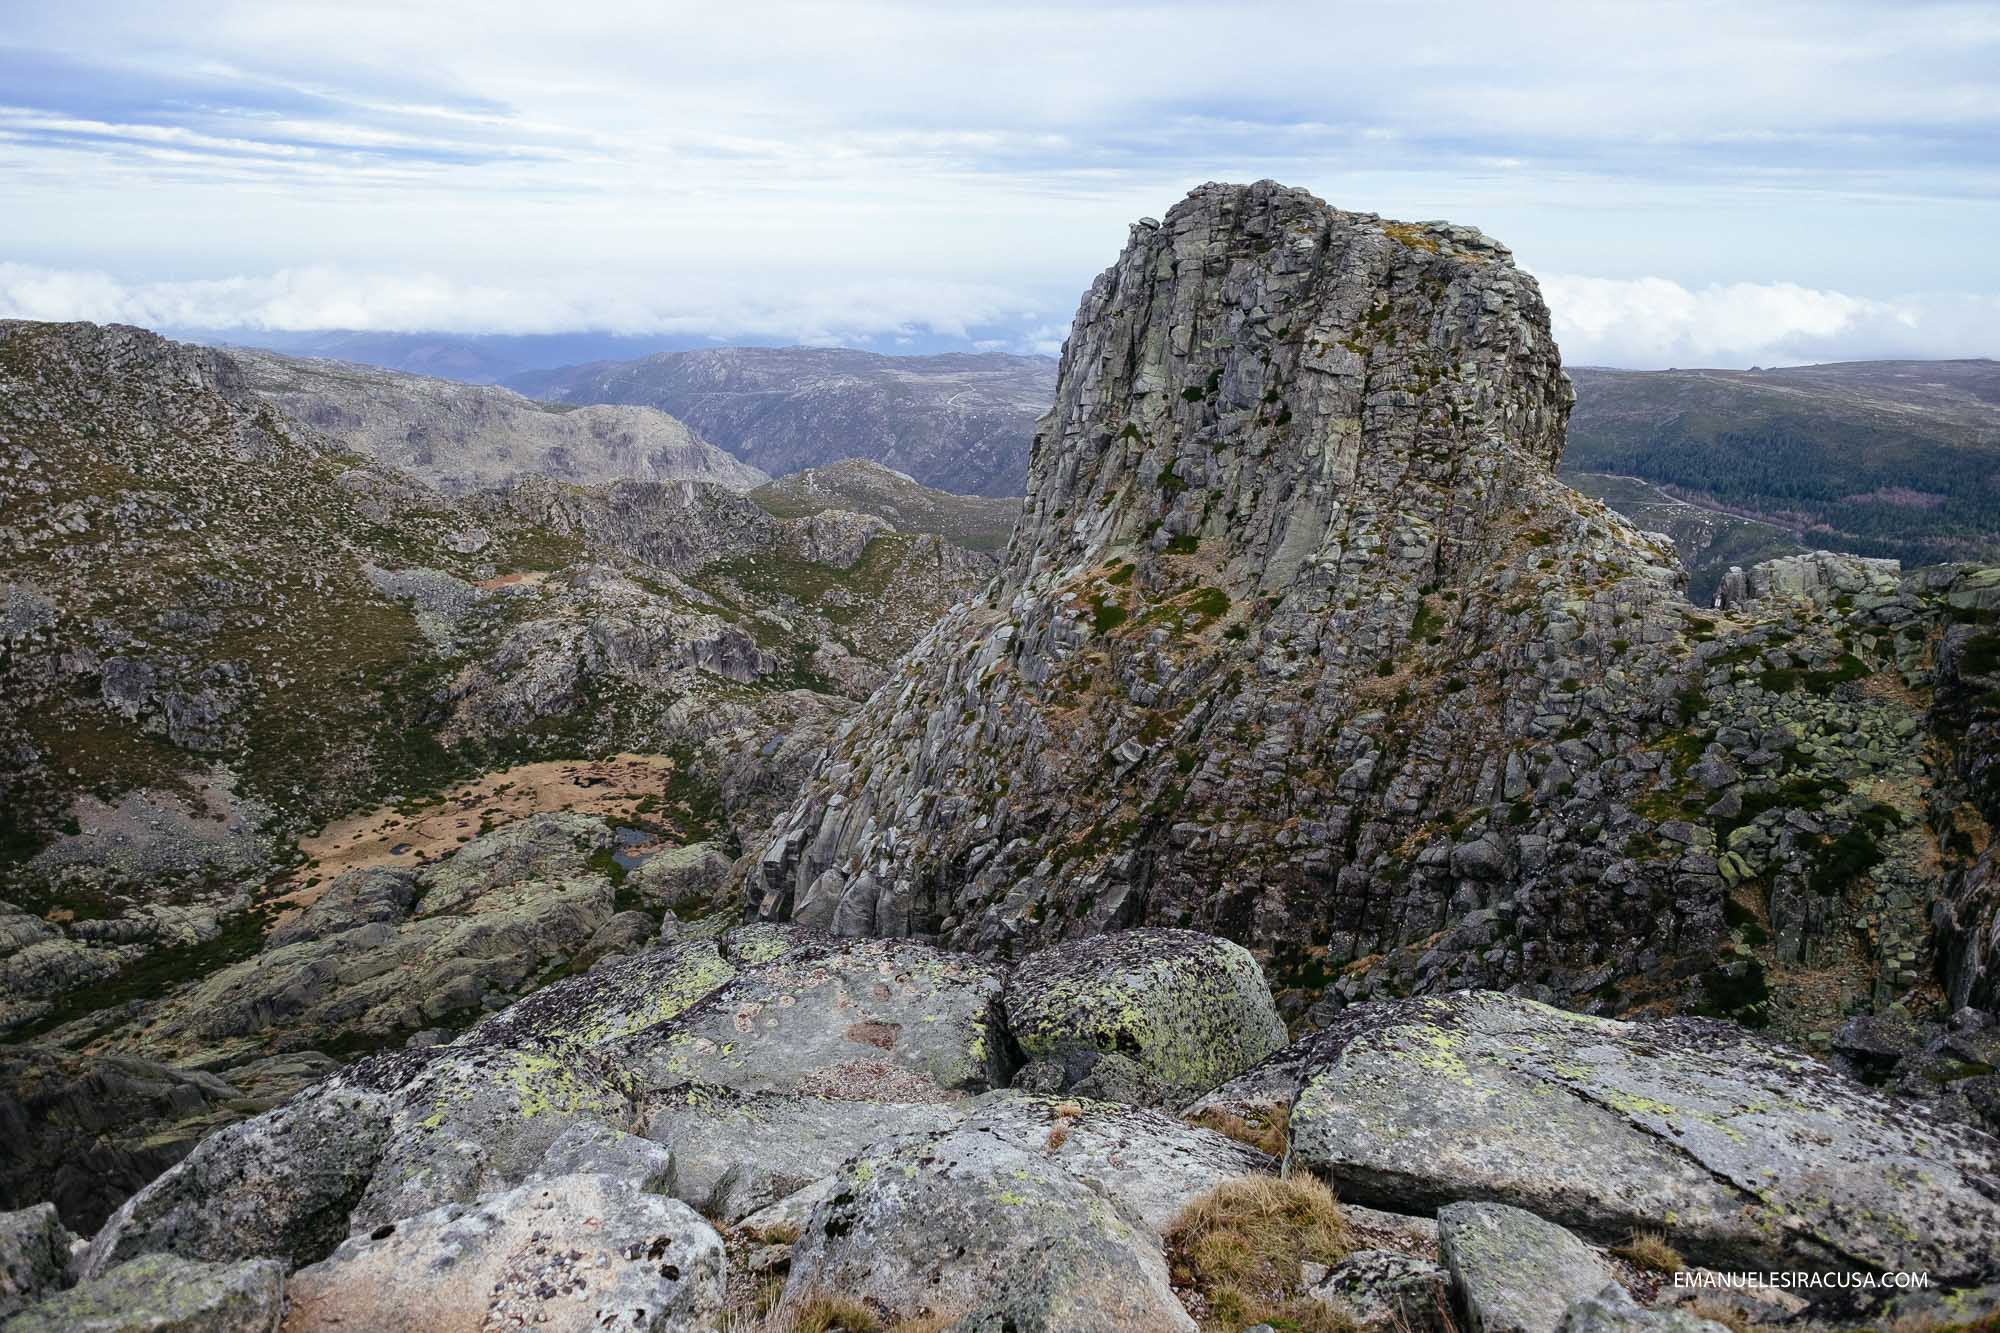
<point x="1384" y="1289"/>
<point x="1150" y="1164"/>
<point x="851" y="1019"/>
<point x="583" y="1251"/>
<point x="966" y="1226"/>
<point x="162" y="1293"/>
<point x="1748" y="1155"/>
<point x="1614" y="1311"/>
<point x="737" y="1152"/>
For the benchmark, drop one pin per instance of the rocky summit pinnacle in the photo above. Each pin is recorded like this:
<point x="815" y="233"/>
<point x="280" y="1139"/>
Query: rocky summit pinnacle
<point x="1202" y="692"/>
<point x="1299" y="641"/>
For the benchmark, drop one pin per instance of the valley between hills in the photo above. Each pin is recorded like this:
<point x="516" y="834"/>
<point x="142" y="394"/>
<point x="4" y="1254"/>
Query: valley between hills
<point x="1300" y="814"/>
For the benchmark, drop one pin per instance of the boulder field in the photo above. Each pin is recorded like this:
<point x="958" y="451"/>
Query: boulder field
<point x="767" y="1123"/>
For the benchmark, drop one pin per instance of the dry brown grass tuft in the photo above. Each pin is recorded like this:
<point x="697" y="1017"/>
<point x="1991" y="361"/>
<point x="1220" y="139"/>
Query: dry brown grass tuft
<point x="833" y="1314"/>
<point x="1649" y="1250"/>
<point x="1240" y="1246"/>
<point x="778" y="1233"/>
<point x="1266" y="1135"/>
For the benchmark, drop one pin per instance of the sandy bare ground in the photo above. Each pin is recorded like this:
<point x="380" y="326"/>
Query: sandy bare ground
<point x="389" y="837"/>
<point x="532" y="579"/>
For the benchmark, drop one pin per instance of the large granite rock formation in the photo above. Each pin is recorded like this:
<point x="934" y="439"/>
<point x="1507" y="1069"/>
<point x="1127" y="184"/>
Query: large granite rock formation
<point x="1300" y="642"/>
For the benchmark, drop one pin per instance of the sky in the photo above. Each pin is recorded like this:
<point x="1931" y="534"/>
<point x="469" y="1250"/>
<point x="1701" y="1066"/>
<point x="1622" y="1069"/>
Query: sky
<point x="1693" y="183"/>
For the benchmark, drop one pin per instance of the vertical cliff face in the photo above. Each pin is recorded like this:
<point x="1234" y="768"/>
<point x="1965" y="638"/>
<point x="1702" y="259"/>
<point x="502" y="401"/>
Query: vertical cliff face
<point x="1300" y="642"/>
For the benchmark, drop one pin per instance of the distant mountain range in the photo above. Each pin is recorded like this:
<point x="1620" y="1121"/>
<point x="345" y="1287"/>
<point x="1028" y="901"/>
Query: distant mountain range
<point x="960" y="422"/>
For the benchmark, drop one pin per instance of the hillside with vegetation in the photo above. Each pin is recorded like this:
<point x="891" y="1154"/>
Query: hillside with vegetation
<point x="1874" y="458"/>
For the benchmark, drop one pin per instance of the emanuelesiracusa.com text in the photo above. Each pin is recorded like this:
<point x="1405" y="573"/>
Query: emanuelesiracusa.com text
<point x="1809" y="1281"/>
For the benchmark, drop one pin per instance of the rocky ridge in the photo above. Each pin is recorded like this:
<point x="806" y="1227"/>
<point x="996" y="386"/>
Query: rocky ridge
<point x="220" y="630"/>
<point x="862" y="486"/>
<point x="460" y="437"/>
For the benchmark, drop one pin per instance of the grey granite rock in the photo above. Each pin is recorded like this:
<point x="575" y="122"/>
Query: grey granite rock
<point x="479" y="1118"/>
<point x="279" y="1185"/>
<point x="576" y="1251"/>
<point x="1512" y="1272"/>
<point x="856" y="1020"/>
<point x="1150" y="1164"/>
<point x="34" y="1256"/>
<point x="738" y="1152"/>
<point x="1385" y="1289"/>
<point x="1746" y="1154"/>
<point x="1614" y="1311"/>
<point x="163" y="1293"/>
<point x="965" y="1226"/>
<point x="1188" y="1009"/>
<point x="591" y="1148"/>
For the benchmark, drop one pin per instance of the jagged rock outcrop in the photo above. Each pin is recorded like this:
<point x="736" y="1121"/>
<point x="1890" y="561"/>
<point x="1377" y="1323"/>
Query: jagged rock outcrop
<point x="34" y="1255"/>
<point x="1292" y="590"/>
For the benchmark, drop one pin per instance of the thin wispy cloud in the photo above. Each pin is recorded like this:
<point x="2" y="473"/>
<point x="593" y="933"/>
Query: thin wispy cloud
<point x="507" y="166"/>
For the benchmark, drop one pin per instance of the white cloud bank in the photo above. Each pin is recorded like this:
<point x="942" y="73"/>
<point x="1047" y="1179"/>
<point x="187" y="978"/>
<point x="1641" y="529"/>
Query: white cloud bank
<point x="1650" y="323"/>
<point x="1643" y="323"/>
<point x="320" y="297"/>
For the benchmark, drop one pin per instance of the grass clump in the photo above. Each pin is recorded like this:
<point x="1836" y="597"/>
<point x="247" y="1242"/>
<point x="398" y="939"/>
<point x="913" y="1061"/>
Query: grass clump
<point x="1265" y="1131"/>
<point x="1649" y="1250"/>
<point x="1240" y="1246"/>
<point x="838" y="1314"/>
<point x="834" y="1314"/>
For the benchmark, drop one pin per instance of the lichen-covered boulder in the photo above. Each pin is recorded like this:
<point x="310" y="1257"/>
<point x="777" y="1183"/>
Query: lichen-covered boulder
<point x="1613" y="1310"/>
<point x="1385" y="1289"/>
<point x="279" y="1185"/>
<point x="164" y="1293"/>
<point x="883" y="1020"/>
<point x="370" y="896"/>
<point x="681" y="880"/>
<point x="966" y="1226"/>
<point x="736" y="1152"/>
<point x="1191" y="1010"/>
<point x="612" y="1000"/>
<point x="540" y="848"/>
<point x="480" y="1118"/>
<point x="581" y="1251"/>
<point x="1747" y="1154"/>
<point x="34" y="1255"/>
<point x="1149" y="1163"/>
<point x="1512" y="1272"/>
